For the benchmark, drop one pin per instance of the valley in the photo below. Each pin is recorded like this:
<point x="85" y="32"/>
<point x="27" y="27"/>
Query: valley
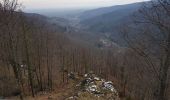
<point x="115" y="52"/>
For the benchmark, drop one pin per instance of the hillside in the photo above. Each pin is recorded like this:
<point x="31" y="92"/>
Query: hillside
<point x="112" y="53"/>
<point x="92" y="26"/>
<point x="103" y="23"/>
<point x="81" y="87"/>
<point x="53" y="24"/>
<point x="107" y="19"/>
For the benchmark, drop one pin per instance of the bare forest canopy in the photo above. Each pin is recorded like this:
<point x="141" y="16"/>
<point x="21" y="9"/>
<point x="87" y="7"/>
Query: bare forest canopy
<point x="128" y="45"/>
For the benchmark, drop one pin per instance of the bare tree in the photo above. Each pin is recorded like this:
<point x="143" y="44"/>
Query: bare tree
<point x="153" y="41"/>
<point x="8" y="23"/>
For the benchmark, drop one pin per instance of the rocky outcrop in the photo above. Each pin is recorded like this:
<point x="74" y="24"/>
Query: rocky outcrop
<point x="91" y="87"/>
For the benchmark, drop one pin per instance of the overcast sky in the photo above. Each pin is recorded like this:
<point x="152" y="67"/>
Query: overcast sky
<point x="50" y="4"/>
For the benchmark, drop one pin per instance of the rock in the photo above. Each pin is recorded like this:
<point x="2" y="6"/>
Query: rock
<point x="96" y="79"/>
<point x="72" y="98"/>
<point x="95" y="87"/>
<point x="85" y="75"/>
<point x="50" y="97"/>
<point x="108" y="85"/>
<point x="71" y="75"/>
<point x="92" y="88"/>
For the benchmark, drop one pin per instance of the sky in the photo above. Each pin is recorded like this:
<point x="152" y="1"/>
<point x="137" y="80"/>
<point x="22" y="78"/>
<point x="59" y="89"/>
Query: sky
<point x="54" y="4"/>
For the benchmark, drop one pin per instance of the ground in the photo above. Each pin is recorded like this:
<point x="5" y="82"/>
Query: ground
<point x="87" y="87"/>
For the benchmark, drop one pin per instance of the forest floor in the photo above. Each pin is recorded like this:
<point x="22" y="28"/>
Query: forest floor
<point x="87" y="87"/>
<point x="58" y="94"/>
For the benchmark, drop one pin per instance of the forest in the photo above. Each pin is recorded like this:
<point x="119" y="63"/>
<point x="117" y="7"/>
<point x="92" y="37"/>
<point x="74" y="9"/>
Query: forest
<point x="37" y="56"/>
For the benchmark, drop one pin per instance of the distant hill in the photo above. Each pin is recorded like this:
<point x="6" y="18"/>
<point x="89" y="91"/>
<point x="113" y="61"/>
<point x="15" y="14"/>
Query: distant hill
<point x="50" y="23"/>
<point x="64" y="13"/>
<point x="94" y="26"/>
<point x="97" y="12"/>
<point x="105" y="23"/>
<point x="106" y="19"/>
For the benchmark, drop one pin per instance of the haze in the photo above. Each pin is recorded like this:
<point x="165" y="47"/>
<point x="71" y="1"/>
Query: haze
<point x="54" y="4"/>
